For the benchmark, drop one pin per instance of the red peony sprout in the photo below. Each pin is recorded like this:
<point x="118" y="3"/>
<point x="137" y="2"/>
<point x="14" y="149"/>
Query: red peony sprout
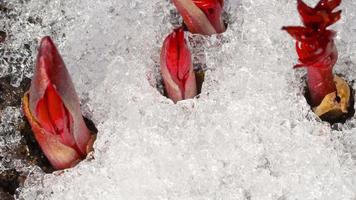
<point x="202" y="16"/>
<point x="315" y="46"/>
<point x="53" y="111"/>
<point x="177" y="68"/>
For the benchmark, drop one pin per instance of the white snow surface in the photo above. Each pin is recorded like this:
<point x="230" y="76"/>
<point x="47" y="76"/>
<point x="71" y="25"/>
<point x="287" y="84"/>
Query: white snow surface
<point x="249" y="136"/>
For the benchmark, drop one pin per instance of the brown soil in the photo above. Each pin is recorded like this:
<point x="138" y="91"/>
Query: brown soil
<point x="9" y="181"/>
<point x="28" y="150"/>
<point x="11" y="96"/>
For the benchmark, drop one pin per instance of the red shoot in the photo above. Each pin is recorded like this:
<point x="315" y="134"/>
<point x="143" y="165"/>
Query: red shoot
<point x="53" y="111"/>
<point x="202" y="16"/>
<point x="177" y="68"/>
<point x="315" y="46"/>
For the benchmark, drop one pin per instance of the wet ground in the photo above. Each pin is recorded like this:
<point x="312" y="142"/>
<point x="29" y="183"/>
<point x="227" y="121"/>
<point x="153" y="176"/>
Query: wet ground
<point x="27" y="150"/>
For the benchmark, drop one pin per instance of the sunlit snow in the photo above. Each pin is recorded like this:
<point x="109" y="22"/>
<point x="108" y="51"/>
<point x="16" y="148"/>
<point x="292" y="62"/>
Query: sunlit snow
<point x="249" y="136"/>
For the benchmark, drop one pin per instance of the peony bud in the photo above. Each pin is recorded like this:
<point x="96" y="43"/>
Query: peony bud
<point x="202" y="16"/>
<point x="53" y="110"/>
<point x="177" y="68"/>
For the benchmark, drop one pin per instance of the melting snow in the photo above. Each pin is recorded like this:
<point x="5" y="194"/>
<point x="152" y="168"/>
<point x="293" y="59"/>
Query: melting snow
<point x="250" y="135"/>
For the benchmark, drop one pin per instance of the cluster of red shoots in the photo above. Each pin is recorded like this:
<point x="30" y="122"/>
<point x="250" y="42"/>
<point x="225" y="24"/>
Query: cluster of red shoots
<point x="52" y="106"/>
<point x="200" y="17"/>
<point x="315" y="46"/>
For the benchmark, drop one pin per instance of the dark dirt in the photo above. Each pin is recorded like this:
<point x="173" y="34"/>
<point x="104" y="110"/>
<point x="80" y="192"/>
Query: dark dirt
<point x="3" y="8"/>
<point x="12" y="96"/>
<point x="10" y="180"/>
<point x="199" y="79"/>
<point x="2" y="36"/>
<point x="91" y="126"/>
<point x="5" y="195"/>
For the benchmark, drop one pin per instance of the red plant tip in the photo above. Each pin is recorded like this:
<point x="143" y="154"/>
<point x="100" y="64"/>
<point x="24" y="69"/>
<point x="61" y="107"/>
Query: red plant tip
<point x="315" y="46"/>
<point x="177" y="68"/>
<point x="321" y="16"/>
<point x="202" y="16"/>
<point x="53" y="110"/>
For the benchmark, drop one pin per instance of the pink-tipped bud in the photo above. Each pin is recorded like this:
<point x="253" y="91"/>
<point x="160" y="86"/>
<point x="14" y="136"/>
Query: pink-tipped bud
<point x="53" y="110"/>
<point x="177" y="68"/>
<point x="202" y="16"/>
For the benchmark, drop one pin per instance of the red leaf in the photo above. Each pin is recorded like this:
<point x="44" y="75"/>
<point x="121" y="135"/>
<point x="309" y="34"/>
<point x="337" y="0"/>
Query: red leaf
<point x="328" y="4"/>
<point x="300" y="33"/>
<point x="321" y="16"/>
